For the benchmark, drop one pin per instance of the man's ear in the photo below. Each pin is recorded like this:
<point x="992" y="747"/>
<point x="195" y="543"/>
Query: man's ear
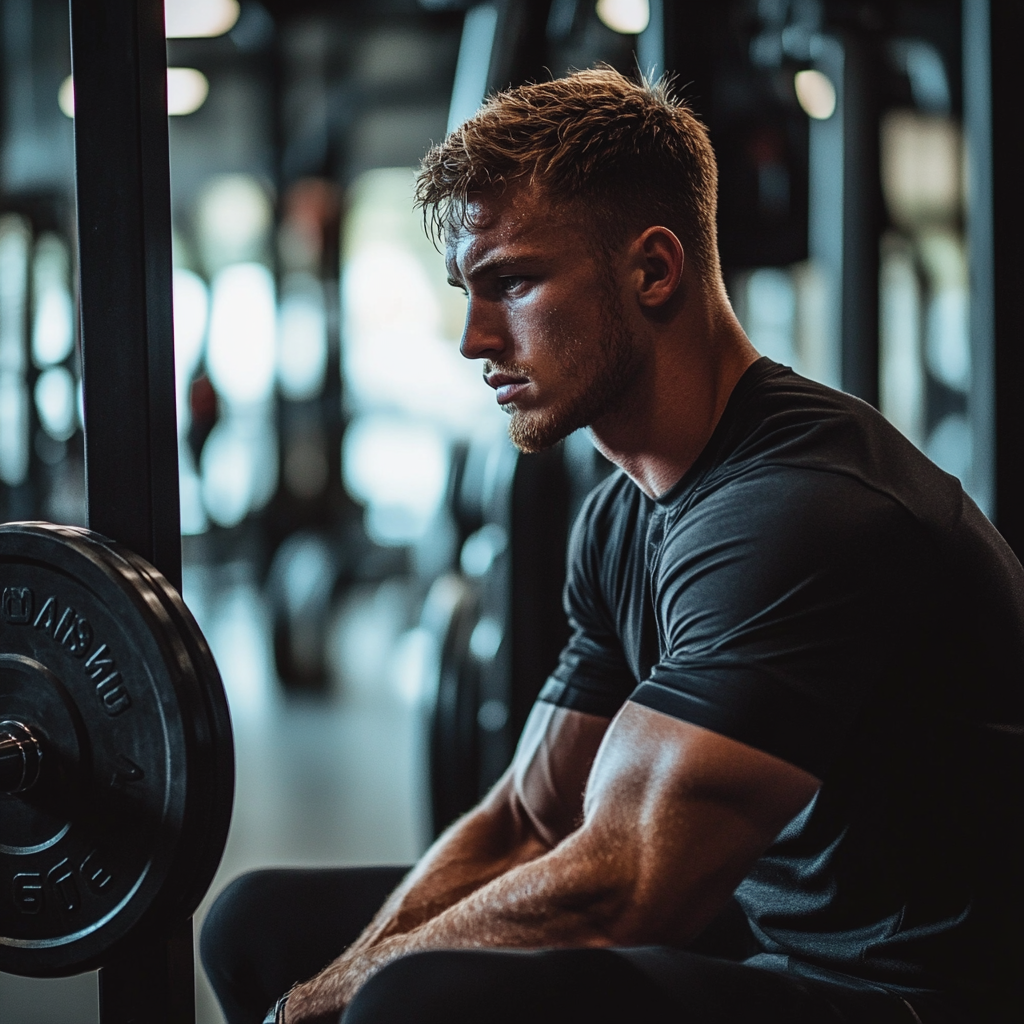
<point x="659" y="256"/>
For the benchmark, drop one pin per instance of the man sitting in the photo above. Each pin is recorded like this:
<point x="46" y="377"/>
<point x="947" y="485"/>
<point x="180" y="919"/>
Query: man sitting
<point x="794" y="676"/>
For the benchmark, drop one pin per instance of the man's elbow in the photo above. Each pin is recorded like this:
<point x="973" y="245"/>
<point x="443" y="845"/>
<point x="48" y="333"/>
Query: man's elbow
<point x="621" y="901"/>
<point x="600" y="890"/>
<point x="657" y="911"/>
<point x="626" y="918"/>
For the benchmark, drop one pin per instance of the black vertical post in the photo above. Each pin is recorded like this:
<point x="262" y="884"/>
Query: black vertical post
<point x="119" y="61"/>
<point x="152" y="982"/>
<point x="844" y="215"/>
<point x="650" y="44"/>
<point x="995" y="223"/>
<point x="861" y="199"/>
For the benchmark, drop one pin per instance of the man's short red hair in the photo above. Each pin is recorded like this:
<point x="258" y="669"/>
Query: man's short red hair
<point x="628" y="154"/>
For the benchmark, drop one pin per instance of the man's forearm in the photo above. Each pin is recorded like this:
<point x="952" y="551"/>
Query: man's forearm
<point x="458" y="865"/>
<point x="527" y="815"/>
<point x="475" y="850"/>
<point x="559" y="899"/>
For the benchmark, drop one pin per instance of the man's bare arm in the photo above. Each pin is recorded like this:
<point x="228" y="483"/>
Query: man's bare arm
<point x="674" y="818"/>
<point x="535" y="805"/>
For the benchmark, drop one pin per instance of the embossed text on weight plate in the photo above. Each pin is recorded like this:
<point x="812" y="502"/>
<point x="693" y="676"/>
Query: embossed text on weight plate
<point x="74" y="633"/>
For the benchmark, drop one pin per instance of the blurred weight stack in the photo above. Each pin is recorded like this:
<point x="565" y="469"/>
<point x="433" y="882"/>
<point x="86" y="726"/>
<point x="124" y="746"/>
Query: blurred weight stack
<point x="497" y="620"/>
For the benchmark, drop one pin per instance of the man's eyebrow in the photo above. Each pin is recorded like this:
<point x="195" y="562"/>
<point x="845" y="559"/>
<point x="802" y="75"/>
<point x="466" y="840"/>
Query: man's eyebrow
<point x="499" y="261"/>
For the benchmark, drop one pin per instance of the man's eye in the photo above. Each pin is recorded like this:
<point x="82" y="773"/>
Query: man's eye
<point x="510" y="283"/>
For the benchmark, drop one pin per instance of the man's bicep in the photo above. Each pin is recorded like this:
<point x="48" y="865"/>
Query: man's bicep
<point x="690" y="811"/>
<point x="551" y="765"/>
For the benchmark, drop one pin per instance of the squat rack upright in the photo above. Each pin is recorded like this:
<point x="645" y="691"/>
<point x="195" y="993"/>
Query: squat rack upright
<point x="122" y="174"/>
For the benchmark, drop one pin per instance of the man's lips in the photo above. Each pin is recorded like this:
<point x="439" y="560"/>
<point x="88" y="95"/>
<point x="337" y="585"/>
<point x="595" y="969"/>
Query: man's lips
<point x="506" y="385"/>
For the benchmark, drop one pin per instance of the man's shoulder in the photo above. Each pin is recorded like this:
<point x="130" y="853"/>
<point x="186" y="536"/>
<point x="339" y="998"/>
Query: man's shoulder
<point x="787" y="424"/>
<point x="784" y="418"/>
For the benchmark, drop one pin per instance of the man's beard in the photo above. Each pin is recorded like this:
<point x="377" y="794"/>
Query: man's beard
<point x="607" y="374"/>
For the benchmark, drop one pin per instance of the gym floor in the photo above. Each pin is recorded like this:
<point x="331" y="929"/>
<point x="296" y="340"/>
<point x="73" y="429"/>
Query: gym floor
<point x="328" y="780"/>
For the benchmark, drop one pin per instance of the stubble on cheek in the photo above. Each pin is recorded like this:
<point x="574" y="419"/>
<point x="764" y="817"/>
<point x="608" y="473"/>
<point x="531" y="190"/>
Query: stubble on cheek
<point x="535" y="430"/>
<point x="592" y="379"/>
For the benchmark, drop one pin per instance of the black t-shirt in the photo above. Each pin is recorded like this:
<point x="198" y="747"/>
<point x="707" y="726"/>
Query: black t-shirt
<point x="814" y="587"/>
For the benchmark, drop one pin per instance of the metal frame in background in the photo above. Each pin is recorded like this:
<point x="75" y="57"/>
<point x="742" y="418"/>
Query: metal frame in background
<point x="122" y="174"/>
<point x="844" y="212"/>
<point x="124" y="238"/>
<point x="995" y="225"/>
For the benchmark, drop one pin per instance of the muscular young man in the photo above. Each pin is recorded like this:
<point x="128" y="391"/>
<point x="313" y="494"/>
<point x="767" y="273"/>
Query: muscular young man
<point x="795" y="673"/>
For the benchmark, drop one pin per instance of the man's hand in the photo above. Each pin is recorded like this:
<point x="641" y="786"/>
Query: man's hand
<point x="322" y="999"/>
<point x="674" y="817"/>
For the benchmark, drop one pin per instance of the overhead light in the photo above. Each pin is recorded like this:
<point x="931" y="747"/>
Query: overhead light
<point x="630" y="17"/>
<point x="189" y="19"/>
<point x="816" y="94"/>
<point x="187" y="90"/>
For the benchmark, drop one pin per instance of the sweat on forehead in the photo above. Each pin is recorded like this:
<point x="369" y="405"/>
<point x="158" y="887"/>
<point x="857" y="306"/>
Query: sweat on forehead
<point x="515" y="212"/>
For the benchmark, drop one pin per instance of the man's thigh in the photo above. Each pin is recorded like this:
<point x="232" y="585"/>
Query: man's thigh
<point x="655" y="985"/>
<point x="718" y="991"/>
<point x="269" y="929"/>
<point x="559" y="986"/>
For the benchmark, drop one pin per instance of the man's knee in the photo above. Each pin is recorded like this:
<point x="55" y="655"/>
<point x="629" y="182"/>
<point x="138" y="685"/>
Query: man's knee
<point x="230" y="924"/>
<point x="270" y="929"/>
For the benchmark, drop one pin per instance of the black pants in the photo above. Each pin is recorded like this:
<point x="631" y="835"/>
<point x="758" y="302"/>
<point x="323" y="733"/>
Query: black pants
<point x="269" y="929"/>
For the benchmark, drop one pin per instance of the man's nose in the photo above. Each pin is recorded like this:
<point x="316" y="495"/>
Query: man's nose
<point x="482" y="337"/>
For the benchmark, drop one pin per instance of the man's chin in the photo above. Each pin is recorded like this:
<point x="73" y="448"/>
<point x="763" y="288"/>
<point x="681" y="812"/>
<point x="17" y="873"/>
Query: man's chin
<point x="532" y="433"/>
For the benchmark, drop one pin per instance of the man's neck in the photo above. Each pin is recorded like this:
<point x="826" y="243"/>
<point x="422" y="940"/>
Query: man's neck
<point x="663" y="425"/>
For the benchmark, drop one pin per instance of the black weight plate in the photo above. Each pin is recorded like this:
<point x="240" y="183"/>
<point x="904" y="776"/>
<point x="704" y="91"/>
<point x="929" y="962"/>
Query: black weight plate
<point x="454" y="735"/>
<point x="211" y="791"/>
<point x="89" y="661"/>
<point x="212" y="775"/>
<point x="210" y="811"/>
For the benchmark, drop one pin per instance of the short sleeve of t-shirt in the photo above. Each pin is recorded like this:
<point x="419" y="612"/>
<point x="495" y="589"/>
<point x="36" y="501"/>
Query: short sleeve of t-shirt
<point x="777" y="600"/>
<point x="593" y="674"/>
